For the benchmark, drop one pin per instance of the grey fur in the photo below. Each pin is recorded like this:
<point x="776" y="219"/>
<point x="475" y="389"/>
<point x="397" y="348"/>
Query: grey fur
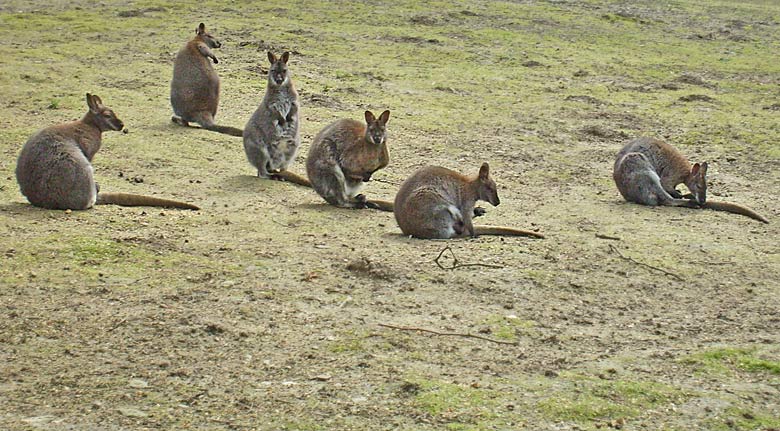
<point x="54" y="168"/>
<point x="272" y="135"/>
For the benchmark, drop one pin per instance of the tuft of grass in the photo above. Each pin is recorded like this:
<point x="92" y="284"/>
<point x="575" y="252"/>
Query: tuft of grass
<point x="724" y="359"/>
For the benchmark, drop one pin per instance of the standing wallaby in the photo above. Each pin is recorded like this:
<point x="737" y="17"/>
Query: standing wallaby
<point x="436" y="202"/>
<point x="54" y="169"/>
<point x="272" y="135"/>
<point x="195" y="84"/>
<point x="647" y="171"/>
<point x="344" y="155"/>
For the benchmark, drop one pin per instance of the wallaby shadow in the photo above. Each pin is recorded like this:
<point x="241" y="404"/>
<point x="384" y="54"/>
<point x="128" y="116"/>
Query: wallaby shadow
<point x="26" y="211"/>
<point x="253" y="183"/>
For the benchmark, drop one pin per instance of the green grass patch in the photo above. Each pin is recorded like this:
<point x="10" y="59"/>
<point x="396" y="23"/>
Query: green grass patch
<point x="727" y="359"/>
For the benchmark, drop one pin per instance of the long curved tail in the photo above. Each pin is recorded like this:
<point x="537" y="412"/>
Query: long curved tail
<point x="505" y="231"/>
<point x="232" y="131"/>
<point x="291" y="177"/>
<point x="131" y="200"/>
<point x="734" y="208"/>
<point x="380" y="205"/>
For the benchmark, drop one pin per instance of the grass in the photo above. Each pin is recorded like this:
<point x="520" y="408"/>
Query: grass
<point x="730" y="359"/>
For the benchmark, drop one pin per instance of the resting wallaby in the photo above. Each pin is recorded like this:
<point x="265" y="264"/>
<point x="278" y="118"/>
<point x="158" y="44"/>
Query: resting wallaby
<point x="54" y="169"/>
<point x="344" y="155"/>
<point x="272" y="136"/>
<point x="647" y="171"/>
<point x="436" y="202"/>
<point x="195" y="84"/>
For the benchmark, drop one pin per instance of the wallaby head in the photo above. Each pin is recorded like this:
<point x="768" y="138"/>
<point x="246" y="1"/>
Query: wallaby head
<point x="486" y="187"/>
<point x="103" y="117"/>
<point x="277" y="74"/>
<point x="376" y="127"/>
<point x="697" y="182"/>
<point x="207" y="38"/>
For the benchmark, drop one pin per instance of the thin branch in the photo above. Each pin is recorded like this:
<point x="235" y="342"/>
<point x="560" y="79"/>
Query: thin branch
<point x="630" y="259"/>
<point x="602" y="236"/>
<point x="449" y="334"/>
<point x="456" y="263"/>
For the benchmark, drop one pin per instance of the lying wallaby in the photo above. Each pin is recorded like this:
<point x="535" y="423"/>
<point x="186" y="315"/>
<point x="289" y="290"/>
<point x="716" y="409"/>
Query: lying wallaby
<point x="344" y="155"/>
<point x="272" y="136"/>
<point x="436" y="202"/>
<point x="195" y="84"/>
<point x="647" y="171"/>
<point x="54" y="169"/>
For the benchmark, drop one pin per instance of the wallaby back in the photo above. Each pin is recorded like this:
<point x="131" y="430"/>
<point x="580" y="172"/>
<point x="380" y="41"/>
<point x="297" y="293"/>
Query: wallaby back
<point x="54" y="169"/>
<point x="344" y="155"/>
<point x="436" y="202"/>
<point x="272" y="135"/>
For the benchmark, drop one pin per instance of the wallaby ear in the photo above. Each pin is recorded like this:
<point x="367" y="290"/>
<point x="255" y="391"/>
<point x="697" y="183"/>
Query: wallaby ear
<point x="370" y="117"/>
<point x="484" y="171"/>
<point x="91" y="103"/>
<point x="695" y="169"/>
<point x="384" y="117"/>
<point x="201" y="29"/>
<point x="703" y="169"/>
<point x="271" y="57"/>
<point x="285" y="57"/>
<point x="97" y="100"/>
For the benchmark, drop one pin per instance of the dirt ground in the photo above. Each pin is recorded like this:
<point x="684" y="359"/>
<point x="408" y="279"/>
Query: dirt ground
<point x="270" y="310"/>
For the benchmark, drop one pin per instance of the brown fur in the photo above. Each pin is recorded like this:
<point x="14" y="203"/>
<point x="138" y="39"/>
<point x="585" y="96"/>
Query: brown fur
<point x="344" y="155"/>
<point x="647" y="171"/>
<point x="436" y="202"/>
<point x="54" y="169"/>
<point x="195" y="84"/>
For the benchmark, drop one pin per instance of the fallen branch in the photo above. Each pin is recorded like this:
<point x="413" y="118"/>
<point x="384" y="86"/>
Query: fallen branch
<point x="449" y="334"/>
<point x="602" y="236"/>
<point x="456" y="263"/>
<point x="630" y="259"/>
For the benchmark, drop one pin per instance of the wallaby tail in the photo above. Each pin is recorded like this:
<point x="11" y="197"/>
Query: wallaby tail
<point x="131" y="200"/>
<point x="505" y="231"/>
<point x="291" y="177"/>
<point x="734" y="208"/>
<point x="380" y="205"/>
<point x="232" y="131"/>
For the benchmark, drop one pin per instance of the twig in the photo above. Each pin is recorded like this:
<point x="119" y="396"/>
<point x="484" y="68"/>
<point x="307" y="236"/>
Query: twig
<point x="630" y="259"/>
<point x="379" y="180"/>
<point x="451" y="334"/>
<point x="456" y="263"/>
<point x="602" y="236"/>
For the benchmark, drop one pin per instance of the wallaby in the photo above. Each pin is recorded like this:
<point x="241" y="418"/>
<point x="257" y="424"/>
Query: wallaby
<point x="272" y="136"/>
<point x="647" y="171"/>
<point x="344" y="155"/>
<point x="54" y="169"/>
<point x="436" y="202"/>
<point x="195" y="84"/>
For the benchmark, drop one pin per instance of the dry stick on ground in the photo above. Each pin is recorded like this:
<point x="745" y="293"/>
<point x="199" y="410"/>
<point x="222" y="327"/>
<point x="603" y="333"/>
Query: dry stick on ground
<point x="602" y="236"/>
<point x="671" y="274"/>
<point x="456" y="263"/>
<point x="450" y="334"/>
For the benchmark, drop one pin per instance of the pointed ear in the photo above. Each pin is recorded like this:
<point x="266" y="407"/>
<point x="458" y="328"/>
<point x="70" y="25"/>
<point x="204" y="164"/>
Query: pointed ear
<point x="91" y="103"/>
<point x="384" y="117"/>
<point x="703" y="169"/>
<point x="271" y="57"/>
<point x="97" y="100"/>
<point x="285" y="57"/>
<point x="484" y="171"/>
<point x="370" y="117"/>
<point x="695" y="169"/>
<point x="201" y="29"/>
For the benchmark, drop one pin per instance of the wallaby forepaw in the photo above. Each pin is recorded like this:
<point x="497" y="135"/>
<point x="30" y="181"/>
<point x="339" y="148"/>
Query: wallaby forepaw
<point x="215" y="60"/>
<point x="361" y="198"/>
<point x="479" y="211"/>
<point x="366" y="178"/>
